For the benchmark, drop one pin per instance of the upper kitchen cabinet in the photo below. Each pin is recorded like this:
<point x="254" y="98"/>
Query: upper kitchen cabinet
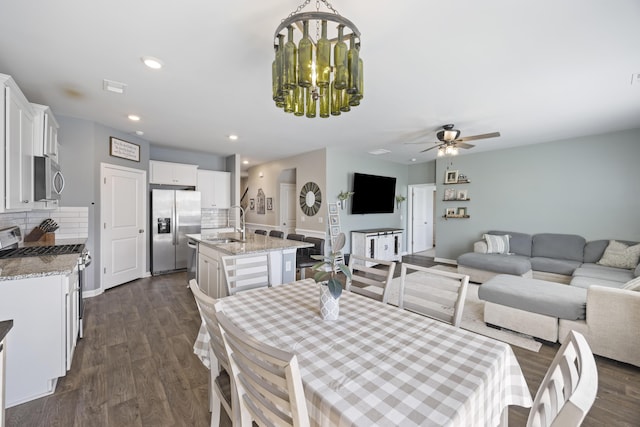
<point x="17" y="133"/>
<point x="215" y="189"/>
<point x="46" y="133"/>
<point x="172" y="173"/>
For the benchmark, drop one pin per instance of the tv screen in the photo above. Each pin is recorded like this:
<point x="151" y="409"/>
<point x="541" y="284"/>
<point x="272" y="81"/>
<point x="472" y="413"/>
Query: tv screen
<point x="373" y="194"/>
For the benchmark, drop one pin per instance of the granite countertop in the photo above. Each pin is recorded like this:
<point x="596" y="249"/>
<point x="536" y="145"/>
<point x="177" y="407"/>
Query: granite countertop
<point x="5" y="327"/>
<point x="254" y="243"/>
<point x="40" y="266"/>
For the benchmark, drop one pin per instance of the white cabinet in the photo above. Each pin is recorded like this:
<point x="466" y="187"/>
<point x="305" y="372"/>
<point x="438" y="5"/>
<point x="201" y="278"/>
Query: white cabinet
<point x="41" y="344"/>
<point x="18" y="134"/>
<point x="45" y="133"/>
<point x="172" y="173"/>
<point x="209" y="271"/>
<point x="379" y="243"/>
<point x="215" y="189"/>
<point x="71" y="285"/>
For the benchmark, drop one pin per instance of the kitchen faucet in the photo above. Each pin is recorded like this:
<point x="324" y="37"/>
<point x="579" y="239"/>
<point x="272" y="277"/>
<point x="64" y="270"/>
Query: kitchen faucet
<point x="242" y="229"/>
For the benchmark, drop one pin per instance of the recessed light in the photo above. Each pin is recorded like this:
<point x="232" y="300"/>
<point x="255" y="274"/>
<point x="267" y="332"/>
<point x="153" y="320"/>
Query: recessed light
<point x="139" y="133"/>
<point x="151" y="62"/>
<point x="245" y="162"/>
<point x="233" y="137"/>
<point x="134" y="118"/>
<point x="414" y="159"/>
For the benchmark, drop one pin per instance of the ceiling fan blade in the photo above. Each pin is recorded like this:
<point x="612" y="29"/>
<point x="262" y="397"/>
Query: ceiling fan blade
<point x="464" y="145"/>
<point x="430" y="148"/>
<point x="475" y="137"/>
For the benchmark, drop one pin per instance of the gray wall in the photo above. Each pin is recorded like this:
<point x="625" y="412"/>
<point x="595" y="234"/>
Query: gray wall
<point x="422" y="173"/>
<point x="585" y="186"/>
<point x="341" y="165"/>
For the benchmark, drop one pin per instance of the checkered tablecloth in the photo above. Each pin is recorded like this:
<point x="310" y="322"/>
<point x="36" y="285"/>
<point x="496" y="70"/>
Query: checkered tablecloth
<point x="379" y="365"/>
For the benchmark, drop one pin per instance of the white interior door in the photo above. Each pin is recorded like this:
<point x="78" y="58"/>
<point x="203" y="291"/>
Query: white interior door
<point x="123" y="205"/>
<point x="288" y="208"/>
<point x="421" y="217"/>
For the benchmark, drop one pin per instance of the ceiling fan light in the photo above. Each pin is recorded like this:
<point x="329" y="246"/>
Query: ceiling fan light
<point x="450" y="135"/>
<point x="441" y="152"/>
<point x="454" y="151"/>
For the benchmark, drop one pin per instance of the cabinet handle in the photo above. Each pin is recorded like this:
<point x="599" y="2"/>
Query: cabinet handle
<point x="25" y="201"/>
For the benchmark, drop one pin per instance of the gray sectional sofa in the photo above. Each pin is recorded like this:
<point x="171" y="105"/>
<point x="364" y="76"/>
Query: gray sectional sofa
<point x="526" y="291"/>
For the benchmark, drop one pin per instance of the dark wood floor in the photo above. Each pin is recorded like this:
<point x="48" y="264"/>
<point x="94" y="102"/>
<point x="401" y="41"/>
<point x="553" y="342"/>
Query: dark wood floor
<point x="135" y="367"/>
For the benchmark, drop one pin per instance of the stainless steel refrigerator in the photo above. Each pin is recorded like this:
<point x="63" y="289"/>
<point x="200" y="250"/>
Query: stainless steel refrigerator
<point x="174" y="214"/>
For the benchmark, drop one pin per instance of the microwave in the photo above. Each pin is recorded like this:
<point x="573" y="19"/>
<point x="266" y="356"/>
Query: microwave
<point x="48" y="179"/>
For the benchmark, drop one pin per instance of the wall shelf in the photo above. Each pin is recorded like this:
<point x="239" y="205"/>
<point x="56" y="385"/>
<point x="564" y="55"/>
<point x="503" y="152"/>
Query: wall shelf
<point x="456" y="216"/>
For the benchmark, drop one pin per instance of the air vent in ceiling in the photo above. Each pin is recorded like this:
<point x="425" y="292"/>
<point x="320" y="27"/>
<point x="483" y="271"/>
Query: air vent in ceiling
<point x="113" y="86"/>
<point x="379" y="152"/>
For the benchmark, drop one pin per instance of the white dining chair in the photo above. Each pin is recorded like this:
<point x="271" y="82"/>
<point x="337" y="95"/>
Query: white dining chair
<point x="221" y="389"/>
<point x="434" y="293"/>
<point x="267" y="379"/>
<point x="244" y="272"/>
<point x="369" y="281"/>
<point x="569" y="388"/>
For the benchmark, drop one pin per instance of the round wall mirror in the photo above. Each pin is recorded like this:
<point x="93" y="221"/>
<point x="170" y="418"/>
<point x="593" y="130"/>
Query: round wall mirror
<point x="310" y="198"/>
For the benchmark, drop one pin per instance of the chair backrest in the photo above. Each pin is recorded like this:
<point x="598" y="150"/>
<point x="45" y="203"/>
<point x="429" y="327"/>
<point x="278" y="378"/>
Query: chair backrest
<point x="294" y="236"/>
<point x="276" y="233"/>
<point x="221" y="389"/>
<point x="371" y="282"/>
<point x="433" y="293"/>
<point x="263" y="232"/>
<point x="318" y="245"/>
<point x="244" y="272"/>
<point x="569" y="388"/>
<point x="267" y="380"/>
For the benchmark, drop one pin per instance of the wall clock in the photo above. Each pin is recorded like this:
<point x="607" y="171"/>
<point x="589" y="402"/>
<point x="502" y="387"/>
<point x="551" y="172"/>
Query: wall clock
<point x="310" y="198"/>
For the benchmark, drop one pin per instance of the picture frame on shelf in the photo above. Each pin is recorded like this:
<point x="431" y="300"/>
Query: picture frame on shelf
<point x="451" y="177"/>
<point x="334" y="220"/>
<point x="449" y="194"/>
<point x="462" y="178"/>
<point x="462" y="195"/>
<point x="450" y="212"/>
<point x="269" y="203"/>
<point x="333" y="208"/>
<point x="462" y="212"/>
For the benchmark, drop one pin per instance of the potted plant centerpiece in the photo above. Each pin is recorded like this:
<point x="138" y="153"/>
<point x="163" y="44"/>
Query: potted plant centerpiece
<point x="330" y="287"/>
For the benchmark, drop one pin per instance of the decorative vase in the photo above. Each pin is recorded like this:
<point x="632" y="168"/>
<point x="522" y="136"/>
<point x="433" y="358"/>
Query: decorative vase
<point x="329" y="306"/>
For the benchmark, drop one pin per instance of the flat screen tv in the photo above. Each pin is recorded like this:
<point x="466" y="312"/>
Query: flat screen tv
<point x="373" y="194"/>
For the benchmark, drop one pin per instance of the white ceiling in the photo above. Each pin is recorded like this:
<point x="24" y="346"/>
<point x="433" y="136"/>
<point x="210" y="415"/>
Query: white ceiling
<point x="536" y="71"/>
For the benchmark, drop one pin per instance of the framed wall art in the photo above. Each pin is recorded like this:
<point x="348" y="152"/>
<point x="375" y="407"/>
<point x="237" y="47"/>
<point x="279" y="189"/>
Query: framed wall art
<point x="124" y="149"/>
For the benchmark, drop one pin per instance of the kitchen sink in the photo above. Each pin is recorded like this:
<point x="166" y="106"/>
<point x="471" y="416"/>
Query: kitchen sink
<point x="224" y="240"/>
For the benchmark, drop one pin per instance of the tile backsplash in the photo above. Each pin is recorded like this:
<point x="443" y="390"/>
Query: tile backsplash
<point x="73" y="222"/>
<point x="214" y="218"/>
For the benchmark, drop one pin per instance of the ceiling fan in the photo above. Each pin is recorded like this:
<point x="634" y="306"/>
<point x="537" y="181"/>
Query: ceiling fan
<point x="450" y="141"/>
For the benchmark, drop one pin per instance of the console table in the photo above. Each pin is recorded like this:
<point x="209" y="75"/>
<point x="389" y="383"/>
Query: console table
<point x="378" y="243"/>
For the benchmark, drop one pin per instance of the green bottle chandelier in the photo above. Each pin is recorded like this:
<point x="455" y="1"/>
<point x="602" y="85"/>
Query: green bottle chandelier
<point x="307" y="80"/>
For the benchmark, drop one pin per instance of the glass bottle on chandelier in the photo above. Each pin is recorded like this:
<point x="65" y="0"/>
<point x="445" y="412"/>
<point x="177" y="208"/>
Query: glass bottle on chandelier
<point x="276" y="71"/>
<point x="311" y="103"/>
<point x="290" y="62"/>
<point x="353" y="58"/>
<point x="340" y="61"/>
<point x="325" y="101"/>
<point x="323" y="58"/>
<point x="305" y="58"/>
<point x="298" y="101"/>
<point x="335" y="99"/>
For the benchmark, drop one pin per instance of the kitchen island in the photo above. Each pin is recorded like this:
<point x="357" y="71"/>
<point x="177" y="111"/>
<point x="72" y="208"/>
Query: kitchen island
<point x="211" y="248"/>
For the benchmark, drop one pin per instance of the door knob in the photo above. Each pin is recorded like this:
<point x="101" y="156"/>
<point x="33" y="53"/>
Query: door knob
<point x="141" y="231"/>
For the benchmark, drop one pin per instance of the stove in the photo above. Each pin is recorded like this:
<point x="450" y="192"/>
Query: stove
<point x="41" y="251"/>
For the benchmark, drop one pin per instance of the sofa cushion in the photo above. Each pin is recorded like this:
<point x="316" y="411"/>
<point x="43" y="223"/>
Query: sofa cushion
<point x="620" y="255"/>
<point x="537" y="296"/>
<point x="553" y="265"/>
<point x="519" y="243"/>
<point x="602" y="272"/>
<point x="585" y="282"/>
<point x="497" y="244"/>
<point x="632" y="285"/>
<point x="636" y="272"/>
<point x="559" y="246"/>
<point x="498" y="263"/>
<point x="593" y="250"/>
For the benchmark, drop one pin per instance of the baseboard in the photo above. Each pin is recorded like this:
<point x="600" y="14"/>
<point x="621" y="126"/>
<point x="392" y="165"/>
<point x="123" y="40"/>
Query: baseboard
<point x="95" y="292"/>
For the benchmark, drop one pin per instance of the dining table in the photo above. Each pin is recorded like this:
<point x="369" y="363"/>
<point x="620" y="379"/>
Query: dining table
<point x="379" y="365"/>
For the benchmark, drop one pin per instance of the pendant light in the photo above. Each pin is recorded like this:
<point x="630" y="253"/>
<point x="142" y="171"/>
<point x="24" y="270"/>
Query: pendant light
<point x="321" y="75"/>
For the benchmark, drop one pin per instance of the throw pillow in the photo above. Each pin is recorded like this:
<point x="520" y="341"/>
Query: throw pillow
<point x="497" y="244"/>
<point x="632" y="285"/>
<point x="620" y="255"/>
